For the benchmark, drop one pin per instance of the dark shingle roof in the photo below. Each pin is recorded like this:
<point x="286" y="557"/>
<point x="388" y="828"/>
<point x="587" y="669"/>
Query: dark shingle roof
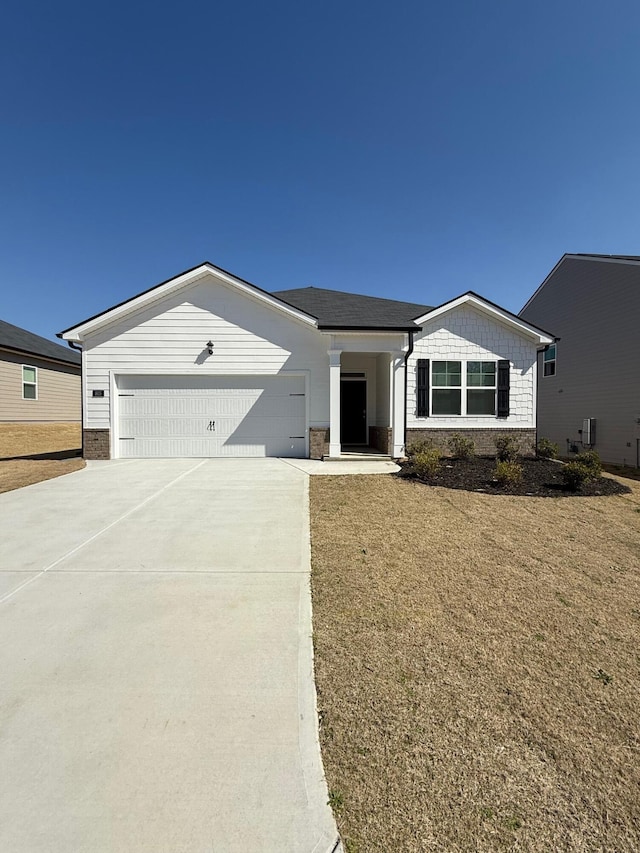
<point x="337" y="310"/>
<point x="613" y="257"/>
<point x="15" y="338"/>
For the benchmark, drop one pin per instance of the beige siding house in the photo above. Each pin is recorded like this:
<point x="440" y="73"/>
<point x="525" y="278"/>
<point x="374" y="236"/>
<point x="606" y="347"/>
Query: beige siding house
<point x="207" y="364"/>
<point x="39" y="380"/>
<point x="588" y="387"/>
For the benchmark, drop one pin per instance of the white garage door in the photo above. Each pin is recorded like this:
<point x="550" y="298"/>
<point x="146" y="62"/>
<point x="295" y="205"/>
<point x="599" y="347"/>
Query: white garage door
<point x="162" y="416"/>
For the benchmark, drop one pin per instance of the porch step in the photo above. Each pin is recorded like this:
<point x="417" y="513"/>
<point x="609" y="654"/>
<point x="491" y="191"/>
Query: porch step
<point x="358" y="457"/>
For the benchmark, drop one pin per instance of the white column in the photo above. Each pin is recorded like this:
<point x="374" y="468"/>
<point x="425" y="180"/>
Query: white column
<point x="334" y="402"/>
<point x="398" y="404"/>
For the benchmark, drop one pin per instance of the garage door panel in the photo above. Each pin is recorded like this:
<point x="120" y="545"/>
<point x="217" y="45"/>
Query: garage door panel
<point x="163" y="416"/>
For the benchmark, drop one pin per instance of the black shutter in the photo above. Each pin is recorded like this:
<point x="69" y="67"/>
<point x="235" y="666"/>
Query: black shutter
<point x="422" y="389"/>
<point x="504" y="369"/>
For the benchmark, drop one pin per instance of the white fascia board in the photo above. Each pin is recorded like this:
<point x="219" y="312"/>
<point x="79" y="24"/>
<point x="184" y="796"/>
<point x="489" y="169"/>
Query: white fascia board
<point x="492" y="311"/>
<point x="78" y="333"/>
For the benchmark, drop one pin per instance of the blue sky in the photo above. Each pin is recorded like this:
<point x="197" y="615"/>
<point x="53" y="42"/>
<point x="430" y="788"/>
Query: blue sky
<point x="412" y="150"/>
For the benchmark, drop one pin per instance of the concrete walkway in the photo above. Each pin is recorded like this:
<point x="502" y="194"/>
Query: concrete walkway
<point x="155" y="648"/>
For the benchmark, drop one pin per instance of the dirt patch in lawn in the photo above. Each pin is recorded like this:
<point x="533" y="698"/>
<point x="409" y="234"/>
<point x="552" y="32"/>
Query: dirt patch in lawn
<point x="21" y="439"/>
<point x="30" y="453"/>
<point x="478" y="667"/>
<point x="16" y="473"/>
<point x="540" y="478"/>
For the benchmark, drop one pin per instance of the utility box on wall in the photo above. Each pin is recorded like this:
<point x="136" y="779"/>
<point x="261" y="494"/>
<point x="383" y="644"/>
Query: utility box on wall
<point x="589" y="432"/>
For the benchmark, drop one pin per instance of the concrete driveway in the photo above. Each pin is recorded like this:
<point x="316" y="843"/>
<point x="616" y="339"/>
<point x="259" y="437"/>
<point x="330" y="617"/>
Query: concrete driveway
<point x="155" y="650"/>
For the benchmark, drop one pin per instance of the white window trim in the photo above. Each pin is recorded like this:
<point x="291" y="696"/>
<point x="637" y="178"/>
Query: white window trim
<point x="35" y="384"/>
<point x="552" y="361"/>
<point x="463" y="388"/>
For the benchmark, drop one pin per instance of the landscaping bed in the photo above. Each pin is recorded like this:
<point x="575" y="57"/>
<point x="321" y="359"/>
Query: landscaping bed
<point x="540" y="478"/>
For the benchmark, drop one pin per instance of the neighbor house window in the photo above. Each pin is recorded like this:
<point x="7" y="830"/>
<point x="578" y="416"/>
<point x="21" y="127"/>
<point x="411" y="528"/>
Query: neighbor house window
<point x="446" y="379"/>
<point x="481" y="387"/>
<point x="29" y="383"/>
<point x="549" y="361"/>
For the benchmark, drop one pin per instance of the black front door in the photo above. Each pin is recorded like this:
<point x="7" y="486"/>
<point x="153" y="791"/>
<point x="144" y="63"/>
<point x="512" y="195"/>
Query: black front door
<point x="353" y="411"/>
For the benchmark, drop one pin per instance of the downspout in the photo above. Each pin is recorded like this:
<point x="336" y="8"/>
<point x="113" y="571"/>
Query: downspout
<point x="406" y="387"/>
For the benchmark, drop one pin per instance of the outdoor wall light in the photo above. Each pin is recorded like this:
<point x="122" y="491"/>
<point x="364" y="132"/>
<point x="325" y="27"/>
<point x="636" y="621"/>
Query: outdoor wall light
<point x="210" y="347"/>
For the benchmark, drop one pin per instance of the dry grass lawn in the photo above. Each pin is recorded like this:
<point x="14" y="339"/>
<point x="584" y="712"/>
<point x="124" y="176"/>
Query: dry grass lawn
<point x="478" y="667"/>
<point x="19" y="441"/>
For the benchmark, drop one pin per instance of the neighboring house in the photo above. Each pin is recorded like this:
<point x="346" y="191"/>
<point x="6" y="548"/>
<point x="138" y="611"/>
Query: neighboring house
<point x="589" y="397"/>
<point x="206" y="364"/>
<point x="39" y="380"/>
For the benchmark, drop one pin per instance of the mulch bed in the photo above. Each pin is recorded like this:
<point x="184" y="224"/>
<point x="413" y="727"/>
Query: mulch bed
<point x="540" y="478"/>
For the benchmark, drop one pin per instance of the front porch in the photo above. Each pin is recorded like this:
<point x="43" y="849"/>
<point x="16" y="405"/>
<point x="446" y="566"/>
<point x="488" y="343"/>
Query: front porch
<point x="366" y="399"/>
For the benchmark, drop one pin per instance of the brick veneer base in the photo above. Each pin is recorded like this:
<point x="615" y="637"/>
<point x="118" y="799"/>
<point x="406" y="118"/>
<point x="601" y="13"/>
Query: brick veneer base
<point x="380" y="438"/>
<point x="483" y="438"/>
<point x="318" y="442"/>
<point x="95" y="444"/>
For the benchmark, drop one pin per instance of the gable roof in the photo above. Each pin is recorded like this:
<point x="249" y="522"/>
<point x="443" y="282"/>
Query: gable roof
<point x="19" y="340"/>
<point x="572" y="269"/>
<point x="170" y="285"/>
<point x="335" y="309"/>
<point x="492" y="310"/>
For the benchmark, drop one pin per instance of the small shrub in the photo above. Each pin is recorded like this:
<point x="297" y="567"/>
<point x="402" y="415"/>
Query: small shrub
<point x="461" y="447"/>
<point x="547" y="449"/>
<point x="591" y="460"/>
<point x="421" y="445"/>
<point x="427" y="463"/>
<point x="508" y="473"/>
<point x="507" y="448"/>
<point x="574" y="474"/>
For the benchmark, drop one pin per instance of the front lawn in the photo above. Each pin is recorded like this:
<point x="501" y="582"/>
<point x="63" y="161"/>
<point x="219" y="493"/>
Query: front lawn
<point x="478" y="666"/>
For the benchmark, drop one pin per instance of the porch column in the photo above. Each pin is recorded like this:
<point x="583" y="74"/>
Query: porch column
<point x="398" y="404"/>
<point x="334" y="402"/>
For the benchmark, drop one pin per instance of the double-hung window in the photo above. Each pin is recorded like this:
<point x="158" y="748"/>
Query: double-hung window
<point x="463" y="388"/>
<point x="549" y="361"/>
<point x="29" y="382"/>
<point x="481" y="387"/>
<point x="446" y="380"/>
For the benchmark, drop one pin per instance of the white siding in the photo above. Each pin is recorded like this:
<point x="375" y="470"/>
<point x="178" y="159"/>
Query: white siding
<point x="465" y="333"/>
<point x="170" y="336"/>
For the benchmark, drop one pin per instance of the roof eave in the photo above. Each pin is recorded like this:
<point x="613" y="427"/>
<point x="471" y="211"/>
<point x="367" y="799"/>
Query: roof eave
<point x="500" y="314"/>
<point x="171" y="285"/>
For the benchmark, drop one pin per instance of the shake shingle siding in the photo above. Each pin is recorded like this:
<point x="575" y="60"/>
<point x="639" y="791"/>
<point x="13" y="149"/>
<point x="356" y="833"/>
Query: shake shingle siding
<point x="593" y="305"/>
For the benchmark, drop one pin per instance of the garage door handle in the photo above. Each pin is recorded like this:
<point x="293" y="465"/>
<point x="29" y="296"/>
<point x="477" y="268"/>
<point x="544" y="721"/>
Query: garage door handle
<point x="296" y="436"/>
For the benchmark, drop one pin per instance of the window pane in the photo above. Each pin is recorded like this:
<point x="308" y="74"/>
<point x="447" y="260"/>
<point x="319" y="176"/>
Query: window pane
<point x="446" y="402"/>
<point x="447" y="373"/>
<point x="550" y="369"/>
<point x="28" y="374"/>
<point x="474" y="367"/>
<point x="29" y="392"/>
<point x="549" y="354"/>
<point x="481" y="402"/>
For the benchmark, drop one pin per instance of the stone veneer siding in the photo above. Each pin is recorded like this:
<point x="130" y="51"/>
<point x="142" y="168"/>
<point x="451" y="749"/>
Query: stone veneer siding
<point x="483" y="438"/>
<point x="380" y="438"/>
<point x="95" y="444"/>
<point x="318" y="442"/>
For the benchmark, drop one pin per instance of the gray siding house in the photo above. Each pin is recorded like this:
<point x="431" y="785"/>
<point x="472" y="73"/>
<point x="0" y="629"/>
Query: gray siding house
<point x="39" y="380"/>
<point x="592" y="302"/>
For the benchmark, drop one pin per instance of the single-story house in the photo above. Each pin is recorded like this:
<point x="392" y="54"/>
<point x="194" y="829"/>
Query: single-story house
<point x="39" y="379"/>
<point x="207" y="364"/>
<point x="587" y="402"/>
